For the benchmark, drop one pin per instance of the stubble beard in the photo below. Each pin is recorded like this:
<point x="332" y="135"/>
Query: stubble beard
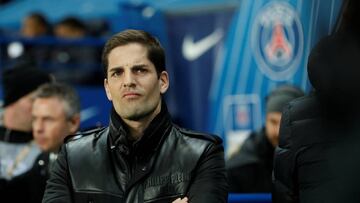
<point x="138" y="114"/>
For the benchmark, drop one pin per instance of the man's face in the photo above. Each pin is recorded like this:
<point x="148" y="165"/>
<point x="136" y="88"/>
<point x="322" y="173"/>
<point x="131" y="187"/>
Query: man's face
<point x="64" y="31"/>
<point x="132" y="83"/>
<point x="32" y="28"/>
<point x="50" y="124"/>
<point x="272" y="127"/>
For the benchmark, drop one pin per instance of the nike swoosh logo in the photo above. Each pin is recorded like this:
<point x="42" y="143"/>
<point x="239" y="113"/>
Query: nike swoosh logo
<point x="88" y="113"/>
<point x="192" y="50"/>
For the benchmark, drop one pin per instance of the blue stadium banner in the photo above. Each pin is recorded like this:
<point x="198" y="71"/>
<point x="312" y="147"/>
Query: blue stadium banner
<point x="268" y="45"/>
<point x="196" y="43"/>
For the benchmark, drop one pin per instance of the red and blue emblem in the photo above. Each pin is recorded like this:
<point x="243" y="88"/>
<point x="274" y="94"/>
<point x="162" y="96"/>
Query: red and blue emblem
<point x="277" y="40"/>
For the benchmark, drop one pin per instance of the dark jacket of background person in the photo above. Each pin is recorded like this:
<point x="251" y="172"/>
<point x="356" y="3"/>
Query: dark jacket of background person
<point x="250" y="169"/>
<point x="166" y="163"/>
<point x="317" y="158"/>
<point x="18" y="152"/>
<point x="28" y="187"/>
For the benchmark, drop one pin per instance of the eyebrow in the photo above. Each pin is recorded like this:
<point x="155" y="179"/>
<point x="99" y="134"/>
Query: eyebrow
<point x="132" y="67"/>
<point x="115" y="69"/>
<point x="140" y="66"/>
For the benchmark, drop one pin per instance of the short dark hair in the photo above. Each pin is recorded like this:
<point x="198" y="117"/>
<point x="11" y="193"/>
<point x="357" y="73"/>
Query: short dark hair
<point x="64" y="93"/>
<point x="156" y="53"/>
<point x="281" y="96"/>
<point x="73" y="23"/>
<point x="41" y="19"/>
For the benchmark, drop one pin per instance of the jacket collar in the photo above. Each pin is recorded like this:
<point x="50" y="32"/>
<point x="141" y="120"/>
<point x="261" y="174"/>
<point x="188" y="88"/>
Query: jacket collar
<point x="151" y="139"/>
<point x="265" y="149"/>
<point x="14" y="136"/>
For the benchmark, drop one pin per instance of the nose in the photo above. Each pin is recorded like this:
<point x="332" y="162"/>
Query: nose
<point x="37" y="127"/>
<point x="129" y="80"/>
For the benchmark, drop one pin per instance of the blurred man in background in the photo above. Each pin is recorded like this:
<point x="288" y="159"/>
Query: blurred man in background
<point x="35" y="25"/>
<point x="17" y="149"/>
<point x="70" y="28"/>
<point x="56" y="114"/>
<point x="317" y="157"/>
<point x="249" y="170"/>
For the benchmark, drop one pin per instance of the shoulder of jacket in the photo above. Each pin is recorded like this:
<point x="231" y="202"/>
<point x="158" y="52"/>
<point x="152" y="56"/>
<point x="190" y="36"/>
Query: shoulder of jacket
<point x="303" y="108"/>
<point x="198" y="135"/>
<point x="79" y="135"/>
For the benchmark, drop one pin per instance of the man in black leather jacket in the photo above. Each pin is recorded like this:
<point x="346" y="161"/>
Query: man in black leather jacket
<point x="142" y="156"/>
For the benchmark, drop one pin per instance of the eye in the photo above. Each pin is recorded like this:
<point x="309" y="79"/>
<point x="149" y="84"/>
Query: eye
<point x="140" y="70"/>
<point x="116" y="73"/>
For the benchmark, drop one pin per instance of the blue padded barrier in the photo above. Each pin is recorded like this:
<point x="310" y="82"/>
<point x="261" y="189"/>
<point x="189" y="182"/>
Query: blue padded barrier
<point x="250" y="198"/>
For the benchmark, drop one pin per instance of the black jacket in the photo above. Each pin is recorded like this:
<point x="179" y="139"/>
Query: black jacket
<point x="317" y="158"/>
<point x="30" y="185"/>
<point x="166" y="163"/>
<point x="318" y="155"/>
<point x="14" y="136"/>
<point x="299" y="158"/>
<point x="249" y="170"/>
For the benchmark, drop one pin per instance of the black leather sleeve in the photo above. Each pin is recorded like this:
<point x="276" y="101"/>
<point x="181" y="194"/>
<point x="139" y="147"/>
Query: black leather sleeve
<point x="284" y="163"/>
<point x="58" y="187"/>
<point x="210" y="184"/>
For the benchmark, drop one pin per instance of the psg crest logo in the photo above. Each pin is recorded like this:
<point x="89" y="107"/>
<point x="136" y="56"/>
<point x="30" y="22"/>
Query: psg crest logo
<point x="277" y="40"/>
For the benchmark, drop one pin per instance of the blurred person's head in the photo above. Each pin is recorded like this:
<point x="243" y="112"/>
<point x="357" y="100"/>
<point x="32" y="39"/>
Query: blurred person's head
<point x="275" y="102"/>
<point x="56" y="114"/>
<point x="35" y="25"/>
<point x="19" y="84"/>
<point x="70" y="28"/>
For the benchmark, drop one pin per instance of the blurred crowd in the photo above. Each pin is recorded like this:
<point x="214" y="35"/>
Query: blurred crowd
<point x="65" y="48"/>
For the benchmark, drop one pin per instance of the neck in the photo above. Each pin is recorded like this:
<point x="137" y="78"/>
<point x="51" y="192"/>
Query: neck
<point x="137" y="127"/>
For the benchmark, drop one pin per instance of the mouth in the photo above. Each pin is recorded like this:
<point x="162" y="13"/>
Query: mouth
<point x="131" y="95"/>
<point x="41" y="141"/>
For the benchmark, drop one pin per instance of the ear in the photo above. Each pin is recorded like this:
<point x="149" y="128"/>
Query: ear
<point x="107" y="90"/>
<point x="74" y="124"/>
<point x="164" y="82"/>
